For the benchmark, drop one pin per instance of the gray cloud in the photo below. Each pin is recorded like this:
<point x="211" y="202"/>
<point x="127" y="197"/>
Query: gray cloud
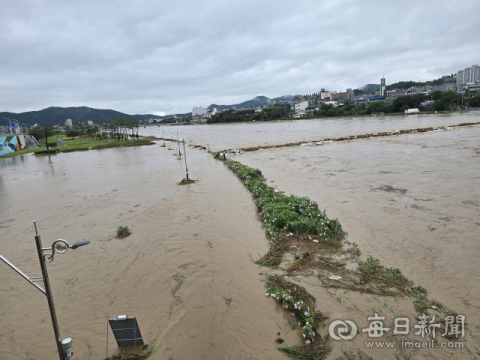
<point x="145" y="57"/>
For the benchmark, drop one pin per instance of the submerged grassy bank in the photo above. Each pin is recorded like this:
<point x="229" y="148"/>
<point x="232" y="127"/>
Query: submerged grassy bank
<point x="297" y="225"/>
<point x="81" y="145"/>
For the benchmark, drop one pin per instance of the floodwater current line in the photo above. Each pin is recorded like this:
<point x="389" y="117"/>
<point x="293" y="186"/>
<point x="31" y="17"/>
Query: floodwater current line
<point x="358" y="137"/>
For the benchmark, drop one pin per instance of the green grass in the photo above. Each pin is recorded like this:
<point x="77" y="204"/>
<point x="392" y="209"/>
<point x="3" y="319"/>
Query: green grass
<point x="79" y="145"/>
<point x="52" y="141"/>
<point x="383" y="277"/>
<point x="21" y="152"/>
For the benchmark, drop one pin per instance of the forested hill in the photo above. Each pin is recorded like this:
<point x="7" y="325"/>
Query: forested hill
<point x="408" y="84"/>
<point x="259" y="100"/>
<point x="58" y="115"/>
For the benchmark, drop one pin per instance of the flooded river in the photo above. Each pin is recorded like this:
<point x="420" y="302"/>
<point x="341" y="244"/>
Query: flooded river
<point x="187" y="271"/>
<point x="411" y="201"/>
<point x="243" y="135"/>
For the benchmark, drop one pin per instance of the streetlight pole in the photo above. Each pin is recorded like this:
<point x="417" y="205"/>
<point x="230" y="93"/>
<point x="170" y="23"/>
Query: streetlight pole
<point x="48" y="292"/>
<point x="59" y="246"/>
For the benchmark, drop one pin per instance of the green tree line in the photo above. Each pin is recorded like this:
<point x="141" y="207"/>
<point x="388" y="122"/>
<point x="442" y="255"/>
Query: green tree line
<point x="269" y="113"/>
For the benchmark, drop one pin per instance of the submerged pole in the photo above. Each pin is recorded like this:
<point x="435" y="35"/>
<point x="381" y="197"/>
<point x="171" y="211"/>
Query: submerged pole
<point x="185" y="156"/>
<point x="178" y="142"/>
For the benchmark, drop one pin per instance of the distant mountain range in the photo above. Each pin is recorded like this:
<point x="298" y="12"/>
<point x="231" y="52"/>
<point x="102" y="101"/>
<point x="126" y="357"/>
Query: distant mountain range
<point x="58" y="115"/>
<point x="257" y="101"/>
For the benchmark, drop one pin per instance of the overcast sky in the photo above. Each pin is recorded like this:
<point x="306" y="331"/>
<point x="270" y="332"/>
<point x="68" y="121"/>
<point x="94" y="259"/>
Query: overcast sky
<point x="167" y="56"/>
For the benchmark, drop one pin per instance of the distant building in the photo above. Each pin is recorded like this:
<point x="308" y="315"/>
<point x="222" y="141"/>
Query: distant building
<point x="392" y="95"/>
<point x="333" y="103"/>
<point x="198" y="111"/>
<point x="376" y="99"/>
<point x="468" y="75"/>
<point x="90" y="123"/>
<point x="347" y="95"/>
<point x="445" y="87"/>
<point x="299" y="114"/>
<point x="69" y="123"/>
<point x="283" y="104"/>
<point x="382" y="86"/>
<point x="301" y="106"/>
<point x="327" y="94"/>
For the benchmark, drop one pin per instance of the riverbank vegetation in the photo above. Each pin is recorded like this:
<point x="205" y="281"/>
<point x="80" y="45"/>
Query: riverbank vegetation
<point x="266" y="114"/>
<point x="146" y="352"/>
<point x="123" y="231"/>
<point x="81" y="145"/>
<point x="442" y="101"/>
<point x="84" y="145"/>
<point x="304" y="241"/>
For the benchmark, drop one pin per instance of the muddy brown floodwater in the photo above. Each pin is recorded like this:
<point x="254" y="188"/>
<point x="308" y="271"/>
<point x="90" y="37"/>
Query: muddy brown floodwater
<point x="187" y="271"/>
<point x="411" y="201"/>
<point x="244" y="135"/>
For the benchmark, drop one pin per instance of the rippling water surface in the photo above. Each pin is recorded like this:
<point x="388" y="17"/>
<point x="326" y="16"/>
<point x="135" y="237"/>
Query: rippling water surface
<point x="241" y="135"/>
<point x="187" y="270"/>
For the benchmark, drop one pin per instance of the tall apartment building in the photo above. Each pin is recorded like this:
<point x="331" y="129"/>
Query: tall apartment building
<point x="68" y="123"/>
<point x="468" y="75"/>
<point x="198" y="111"/>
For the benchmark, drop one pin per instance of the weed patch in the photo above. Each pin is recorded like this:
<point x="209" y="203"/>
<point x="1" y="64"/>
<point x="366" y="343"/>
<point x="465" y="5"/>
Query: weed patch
<point x="123" y="231"/>
<point x="147" y="350"/>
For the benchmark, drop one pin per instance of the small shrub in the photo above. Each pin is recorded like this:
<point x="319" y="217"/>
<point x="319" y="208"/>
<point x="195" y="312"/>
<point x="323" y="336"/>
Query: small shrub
<point x="123" y="231"/>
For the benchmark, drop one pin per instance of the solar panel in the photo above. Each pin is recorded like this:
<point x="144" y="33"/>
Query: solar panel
<point x="126" y="331"/>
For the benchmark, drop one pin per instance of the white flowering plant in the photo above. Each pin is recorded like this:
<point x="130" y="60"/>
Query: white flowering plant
<point x="298" y="215"/>
<point x="298" y="309"/>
